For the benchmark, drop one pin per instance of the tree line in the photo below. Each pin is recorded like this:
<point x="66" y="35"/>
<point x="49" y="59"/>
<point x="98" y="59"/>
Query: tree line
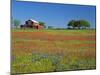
<point x="72" y="24"/>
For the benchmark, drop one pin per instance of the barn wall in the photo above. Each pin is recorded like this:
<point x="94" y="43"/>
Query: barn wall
<point x="34" y="25"/>
<point x="40" y="27"/>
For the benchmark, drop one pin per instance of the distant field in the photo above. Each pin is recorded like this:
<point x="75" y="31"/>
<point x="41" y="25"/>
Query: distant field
<point x="52" y="50"/>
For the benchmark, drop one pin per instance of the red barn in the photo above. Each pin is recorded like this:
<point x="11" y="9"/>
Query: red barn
<point x="32" y="24"/>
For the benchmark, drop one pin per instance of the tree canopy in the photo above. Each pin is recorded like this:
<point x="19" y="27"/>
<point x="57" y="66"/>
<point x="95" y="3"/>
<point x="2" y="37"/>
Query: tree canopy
<point x="84" y="23"/>
<point x="16" y="23"/>
<point x="78" y="24"/>
<point x="71" y="23"/>
<point x="42" y="24"/>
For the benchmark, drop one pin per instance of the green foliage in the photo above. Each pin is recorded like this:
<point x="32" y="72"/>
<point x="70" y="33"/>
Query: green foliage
<point x="84" y="23"/>
<point x="74" y="64"/>
<point x="16" y="23"/>
<point x="44" y="65"/>
<point x="62" y="65"/>
<point x="49" y="63"/>
<point x="78" y="24"/>
<point x="71" y="23"/>
<point x="50" y="27"/>
<point x="42" y="24"/>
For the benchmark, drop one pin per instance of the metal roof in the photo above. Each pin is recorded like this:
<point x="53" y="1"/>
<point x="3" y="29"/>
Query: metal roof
<point x="34" y="20"/>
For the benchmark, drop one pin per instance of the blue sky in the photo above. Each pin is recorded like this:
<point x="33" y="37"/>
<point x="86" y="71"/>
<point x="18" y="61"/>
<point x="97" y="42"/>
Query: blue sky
<point x="56" y="15"/>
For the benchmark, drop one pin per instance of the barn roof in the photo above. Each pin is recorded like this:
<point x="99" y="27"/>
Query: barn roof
<point x="34" y="20"/>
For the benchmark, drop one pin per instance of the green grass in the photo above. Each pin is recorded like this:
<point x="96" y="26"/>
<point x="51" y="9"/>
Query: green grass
<point x="55" y="31"/>
<point x="61" y="32"/>
<point x="48" y="63"/>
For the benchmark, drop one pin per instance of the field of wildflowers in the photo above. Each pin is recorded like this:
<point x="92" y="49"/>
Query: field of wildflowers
<point x="35" y="51"/>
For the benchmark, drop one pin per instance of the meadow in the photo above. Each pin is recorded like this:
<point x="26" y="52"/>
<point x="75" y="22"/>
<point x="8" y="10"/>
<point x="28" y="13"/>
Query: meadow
<point x="35" y="51"/>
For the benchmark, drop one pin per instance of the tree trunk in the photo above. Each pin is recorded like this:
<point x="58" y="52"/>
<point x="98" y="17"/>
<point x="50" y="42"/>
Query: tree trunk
<point x="78" y="27"/>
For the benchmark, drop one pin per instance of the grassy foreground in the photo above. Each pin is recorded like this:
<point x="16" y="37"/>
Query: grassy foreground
<point x="52" y="50"/>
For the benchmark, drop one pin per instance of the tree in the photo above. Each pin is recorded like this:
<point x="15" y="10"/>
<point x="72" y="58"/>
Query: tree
<point x="12" y="22"/>
<point x="16" y="23"/>
<point x="71" y="24"/>
<point x="42" y="24"/>
<point x="84" y="23"/>
<point x="50" y="27"/>
<point x="78" y="24"/>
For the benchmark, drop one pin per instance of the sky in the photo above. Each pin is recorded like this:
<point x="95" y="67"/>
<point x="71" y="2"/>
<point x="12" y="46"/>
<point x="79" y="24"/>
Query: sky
<point x="53" y="14"/>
